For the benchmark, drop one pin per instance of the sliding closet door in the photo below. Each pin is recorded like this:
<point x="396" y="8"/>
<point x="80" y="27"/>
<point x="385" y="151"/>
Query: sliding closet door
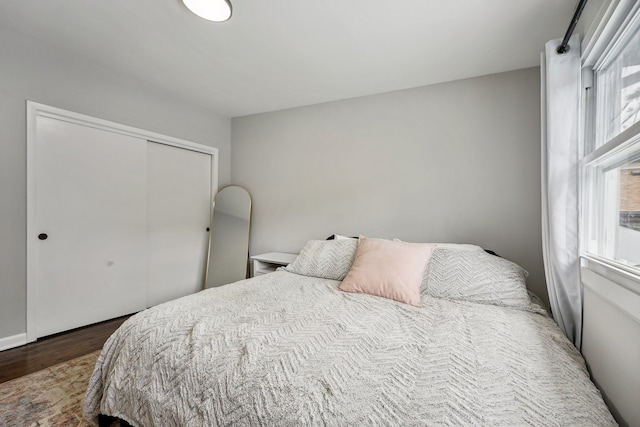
<point x="179" y="209"/>
<point x="90" y="225"/>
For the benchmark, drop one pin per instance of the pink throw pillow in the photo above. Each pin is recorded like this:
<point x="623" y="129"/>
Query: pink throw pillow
<point x="388" y="269"/>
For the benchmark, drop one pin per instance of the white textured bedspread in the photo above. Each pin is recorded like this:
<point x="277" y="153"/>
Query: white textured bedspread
<point x="289" y="350"/>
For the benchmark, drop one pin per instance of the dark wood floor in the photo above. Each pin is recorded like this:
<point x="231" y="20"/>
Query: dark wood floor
<point x="55" y="349"/>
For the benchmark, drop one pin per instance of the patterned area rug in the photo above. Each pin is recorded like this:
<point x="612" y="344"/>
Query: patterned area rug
<point x="50" y="397"/>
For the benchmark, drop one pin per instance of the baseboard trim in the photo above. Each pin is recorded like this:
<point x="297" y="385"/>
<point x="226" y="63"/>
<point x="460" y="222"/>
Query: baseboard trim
<point x="13" y="341"/>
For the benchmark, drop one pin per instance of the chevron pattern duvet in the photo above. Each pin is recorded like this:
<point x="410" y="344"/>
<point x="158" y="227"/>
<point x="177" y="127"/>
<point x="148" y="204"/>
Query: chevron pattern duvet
<point x="289" y="350"/>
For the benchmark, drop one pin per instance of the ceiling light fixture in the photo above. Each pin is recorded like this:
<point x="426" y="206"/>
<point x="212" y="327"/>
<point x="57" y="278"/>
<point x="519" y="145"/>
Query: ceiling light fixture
<point x="211" y="10"/>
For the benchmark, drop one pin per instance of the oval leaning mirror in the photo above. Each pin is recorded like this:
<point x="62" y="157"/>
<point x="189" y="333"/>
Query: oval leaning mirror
<point x="229" y="237"/>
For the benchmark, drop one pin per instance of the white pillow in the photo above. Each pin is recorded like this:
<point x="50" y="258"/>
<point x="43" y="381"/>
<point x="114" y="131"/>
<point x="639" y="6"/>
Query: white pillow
<point x="326" y="259"/>
<point x="468" y="273"/>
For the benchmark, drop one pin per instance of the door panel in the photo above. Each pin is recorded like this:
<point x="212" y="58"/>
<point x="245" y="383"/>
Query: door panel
<point x="179" y="209"/>
<point x="90" y="200"/>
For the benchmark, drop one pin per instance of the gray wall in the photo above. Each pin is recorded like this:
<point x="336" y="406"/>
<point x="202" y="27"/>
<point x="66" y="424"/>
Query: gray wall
<point x="453" y="162"/>
<point x="31" y="71"/>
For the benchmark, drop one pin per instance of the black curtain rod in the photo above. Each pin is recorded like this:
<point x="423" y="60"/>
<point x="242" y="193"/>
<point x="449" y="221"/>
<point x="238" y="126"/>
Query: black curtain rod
<point x="564" y="46"/>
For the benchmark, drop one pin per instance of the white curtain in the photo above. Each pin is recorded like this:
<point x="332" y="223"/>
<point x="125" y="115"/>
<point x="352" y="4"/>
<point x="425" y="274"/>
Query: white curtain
<point x="560" y="75"/>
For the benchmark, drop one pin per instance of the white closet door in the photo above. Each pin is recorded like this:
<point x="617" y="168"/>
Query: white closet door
<point x="90" y="201"/>
<point x="178" y="209"/>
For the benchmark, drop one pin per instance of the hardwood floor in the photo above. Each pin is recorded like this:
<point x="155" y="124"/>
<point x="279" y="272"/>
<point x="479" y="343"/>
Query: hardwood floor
<point x="54" y="349"/>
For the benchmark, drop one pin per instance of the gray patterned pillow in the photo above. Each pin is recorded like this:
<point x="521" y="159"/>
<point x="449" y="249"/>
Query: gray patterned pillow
<point x="326" y="259"/>
<point x="471" y="274"/>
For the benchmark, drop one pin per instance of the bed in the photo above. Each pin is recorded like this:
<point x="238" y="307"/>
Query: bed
<point x="289" y="348"/>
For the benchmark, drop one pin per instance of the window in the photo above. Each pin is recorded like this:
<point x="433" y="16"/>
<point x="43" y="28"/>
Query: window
<point x="611" y="171"/>
<point x="618" y="87"/>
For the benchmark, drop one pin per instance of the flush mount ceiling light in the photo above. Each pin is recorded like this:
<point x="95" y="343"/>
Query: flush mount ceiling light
<point x="211" y="10"/>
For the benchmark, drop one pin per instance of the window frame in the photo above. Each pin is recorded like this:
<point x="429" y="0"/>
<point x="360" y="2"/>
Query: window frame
<point x="623" y="22"/>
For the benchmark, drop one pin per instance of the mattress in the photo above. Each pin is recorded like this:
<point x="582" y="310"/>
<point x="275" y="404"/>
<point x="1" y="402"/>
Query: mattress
<point x="284" y="349"/>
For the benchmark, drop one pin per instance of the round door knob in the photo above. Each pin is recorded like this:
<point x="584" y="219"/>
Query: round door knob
<point x="207" y="228"/>
<point x="42" y="236"/>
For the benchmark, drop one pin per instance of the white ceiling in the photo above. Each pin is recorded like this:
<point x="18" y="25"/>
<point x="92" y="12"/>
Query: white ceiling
<point x="276" y="54"/>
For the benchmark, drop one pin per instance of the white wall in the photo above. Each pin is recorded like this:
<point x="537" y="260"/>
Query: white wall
<point x="32" y="71"/>
<point x="611" y="339"/>
<point x="453" y="162"/>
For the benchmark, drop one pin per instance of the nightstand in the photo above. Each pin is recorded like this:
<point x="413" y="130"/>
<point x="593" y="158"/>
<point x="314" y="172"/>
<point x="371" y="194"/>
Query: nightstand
<point x="267" y="263"/>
